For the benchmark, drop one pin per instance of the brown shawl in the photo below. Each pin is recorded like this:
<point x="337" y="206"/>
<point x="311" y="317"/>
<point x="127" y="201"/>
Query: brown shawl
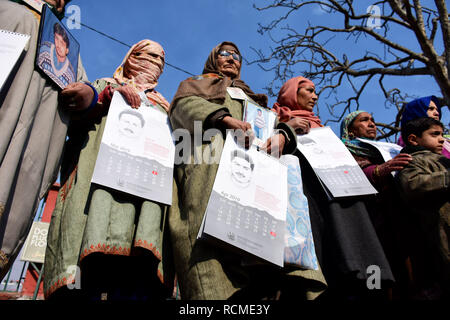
<point x="212" y="84"/>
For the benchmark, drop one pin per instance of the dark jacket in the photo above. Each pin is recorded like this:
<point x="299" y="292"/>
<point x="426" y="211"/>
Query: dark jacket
<point x="424" y="187"/>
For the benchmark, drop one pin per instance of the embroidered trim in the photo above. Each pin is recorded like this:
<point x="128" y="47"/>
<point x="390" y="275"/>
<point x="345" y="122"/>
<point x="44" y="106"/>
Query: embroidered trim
<point x="149" y="246"/>
<point x="107" y="249"/>
<point x="3" y="259"/>
<point x="58" y="284"/>
<point x="68" y="185"/>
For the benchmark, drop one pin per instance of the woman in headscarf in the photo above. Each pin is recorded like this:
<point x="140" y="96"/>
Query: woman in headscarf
<point x="360" y="124"/>
<point x="384" y="208"/>
<point x="115" y="238"/>
<point x="344" y="237"/>
<point x="206" y="271"/>
<point x="295" y="103"/>
<point x="423" y="107"/>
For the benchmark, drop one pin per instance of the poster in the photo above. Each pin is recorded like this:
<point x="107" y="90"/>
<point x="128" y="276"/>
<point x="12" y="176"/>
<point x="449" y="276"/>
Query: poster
<point x="262" y="121"/>
<point x="333" y="163"/>
<point x="57" y="50"/>
<point x="248" y="203"/>
<point x="137" y="152"/>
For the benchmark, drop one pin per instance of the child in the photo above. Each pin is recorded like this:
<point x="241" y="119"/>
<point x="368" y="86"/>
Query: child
<point x="424" y="185"/>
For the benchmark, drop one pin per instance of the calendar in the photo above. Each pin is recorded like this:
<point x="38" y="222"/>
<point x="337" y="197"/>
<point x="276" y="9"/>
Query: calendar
<point x="247" y="206"/>
<point x="137" y="151"/>
<point x="334" y="165"/>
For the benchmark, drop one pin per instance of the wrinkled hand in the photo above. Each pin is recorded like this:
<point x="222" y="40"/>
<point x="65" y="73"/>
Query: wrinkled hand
<point x="275" y="145"/>
<point x="300" y="125"/>
<point x="76" y="96"/>
<point x="395" y="164"/>
<point x="130" y="95"/>
<point x="242" y="130"/>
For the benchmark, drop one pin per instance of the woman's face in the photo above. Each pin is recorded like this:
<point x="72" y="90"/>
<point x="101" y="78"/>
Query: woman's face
<point x="228" y="65"/>
<point x="433" y="111"/>
<point x="306" y="97"/>
<point x="364" y="126"/>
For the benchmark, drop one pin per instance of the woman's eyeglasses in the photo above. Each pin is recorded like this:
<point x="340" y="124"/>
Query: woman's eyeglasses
<point x="227" y="54"/>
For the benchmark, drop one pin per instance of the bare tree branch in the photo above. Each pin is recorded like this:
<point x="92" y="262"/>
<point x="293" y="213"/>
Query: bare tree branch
<point x="313" y="51"/>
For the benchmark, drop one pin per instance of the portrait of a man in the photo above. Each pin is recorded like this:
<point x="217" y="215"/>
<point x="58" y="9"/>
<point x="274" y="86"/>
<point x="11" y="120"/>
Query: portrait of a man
<point x="55" y="57"/>
<point x="260" y="123"/>
<point x="131" y="123"/>
<point x="242" y="167"/>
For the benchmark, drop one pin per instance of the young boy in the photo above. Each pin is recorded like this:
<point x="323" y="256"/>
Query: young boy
<point x="424" y="185"/>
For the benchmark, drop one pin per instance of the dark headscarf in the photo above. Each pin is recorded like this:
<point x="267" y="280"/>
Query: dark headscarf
<point x="212" y="84"/>
<point x="418" y="108"/>
<point x="355" y="146"/>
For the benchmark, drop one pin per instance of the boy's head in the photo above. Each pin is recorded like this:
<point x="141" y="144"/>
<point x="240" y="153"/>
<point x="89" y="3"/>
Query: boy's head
<point x="62" y="42"/>
<point x="425" y="132"/>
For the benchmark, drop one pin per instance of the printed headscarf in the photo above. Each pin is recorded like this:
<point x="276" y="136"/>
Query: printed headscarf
<point x="287" y="106"/>
<point x="141" y="69"/>
<point x="418" y="108"/>
<point x="212" y="84"/>
<point x="355" y="146"/>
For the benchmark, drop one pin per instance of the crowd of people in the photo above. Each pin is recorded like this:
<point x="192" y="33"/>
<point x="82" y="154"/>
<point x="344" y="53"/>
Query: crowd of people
<point x="128" y="248"/>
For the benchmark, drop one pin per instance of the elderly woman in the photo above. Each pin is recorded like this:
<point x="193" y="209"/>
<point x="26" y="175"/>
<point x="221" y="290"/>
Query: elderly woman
<point x="423" y="107"/>
<point x="384" y="208"/>
<point x="115" y="238"/>
<point x="206" y="271"/>
<point x="360" y="124"/>
<point x="345" y="239"/>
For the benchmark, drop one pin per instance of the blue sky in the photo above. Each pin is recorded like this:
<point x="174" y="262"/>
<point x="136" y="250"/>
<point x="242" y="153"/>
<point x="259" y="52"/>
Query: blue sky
<point x="188" y="30"/>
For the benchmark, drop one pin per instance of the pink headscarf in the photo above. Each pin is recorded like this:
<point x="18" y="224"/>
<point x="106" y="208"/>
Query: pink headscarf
<point x="141" y="68"/>
<point x="287" y="106"/>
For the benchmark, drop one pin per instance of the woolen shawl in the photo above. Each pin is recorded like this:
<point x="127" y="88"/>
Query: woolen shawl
<point x="287" y="106"/>
<point x="212" y="84"/>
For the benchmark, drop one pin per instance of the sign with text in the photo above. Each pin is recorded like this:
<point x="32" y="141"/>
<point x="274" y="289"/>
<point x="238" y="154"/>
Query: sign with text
<point x="36" y="243"/>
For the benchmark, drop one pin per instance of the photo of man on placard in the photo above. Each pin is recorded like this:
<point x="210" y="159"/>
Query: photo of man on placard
<point x="131" y="123"/>
<point x="242" y="167"/>
<point x="58" y="51"/>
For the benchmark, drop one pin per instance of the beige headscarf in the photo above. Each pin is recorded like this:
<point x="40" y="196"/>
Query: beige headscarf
<point x="141" y="69"/>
